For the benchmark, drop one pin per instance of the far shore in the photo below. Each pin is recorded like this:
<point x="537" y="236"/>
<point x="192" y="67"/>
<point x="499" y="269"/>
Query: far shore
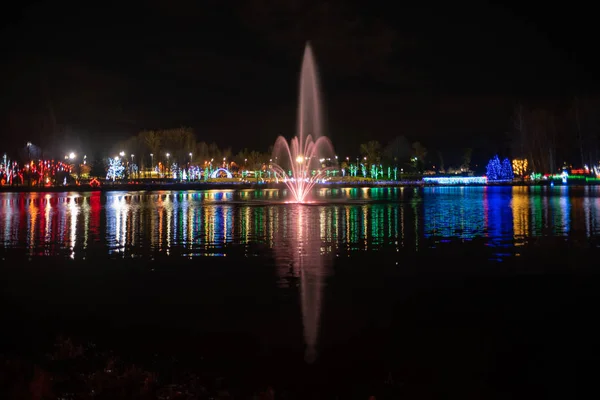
<point x="157" y="186"/>
<point x="231" y="185"/>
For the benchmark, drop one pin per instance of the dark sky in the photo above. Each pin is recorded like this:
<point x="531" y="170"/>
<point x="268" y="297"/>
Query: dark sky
<point x="447" y="75"/>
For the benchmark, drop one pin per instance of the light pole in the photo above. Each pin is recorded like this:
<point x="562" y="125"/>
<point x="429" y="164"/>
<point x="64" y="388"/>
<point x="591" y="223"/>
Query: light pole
<point x="168" y="165"/>
<point x="151" y="164"/>
<point x="72" y="157"/>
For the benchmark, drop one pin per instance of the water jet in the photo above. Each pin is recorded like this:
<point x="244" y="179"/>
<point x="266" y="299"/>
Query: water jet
<point x="301" y="156"/>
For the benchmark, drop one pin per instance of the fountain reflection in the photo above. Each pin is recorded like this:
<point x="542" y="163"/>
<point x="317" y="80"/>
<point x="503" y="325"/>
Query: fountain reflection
<point x="301" y="252"/>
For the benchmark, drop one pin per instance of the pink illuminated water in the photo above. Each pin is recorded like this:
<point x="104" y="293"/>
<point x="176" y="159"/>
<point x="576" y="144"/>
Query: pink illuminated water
<point x="295" y="161"/>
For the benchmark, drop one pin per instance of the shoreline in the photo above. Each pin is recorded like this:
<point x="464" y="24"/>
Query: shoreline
<point x="140" y="187"/>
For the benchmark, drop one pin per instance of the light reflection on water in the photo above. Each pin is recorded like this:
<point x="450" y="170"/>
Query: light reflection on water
<point x="302" y="239"/>
<point x="347" y="220"/>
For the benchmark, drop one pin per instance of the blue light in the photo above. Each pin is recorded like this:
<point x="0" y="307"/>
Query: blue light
<point x="456" y="180"/>
<point x="499" y="171"/>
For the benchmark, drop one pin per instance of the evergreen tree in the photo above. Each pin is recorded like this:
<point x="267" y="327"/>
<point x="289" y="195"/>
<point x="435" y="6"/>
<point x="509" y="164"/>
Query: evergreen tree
<point x="98" y="169"/>
<point x="494" y="169"/>
<point x="506" y="172"/>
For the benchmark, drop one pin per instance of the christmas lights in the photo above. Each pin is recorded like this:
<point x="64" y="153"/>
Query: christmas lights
<point x="216" y="172"/>
<point x="115" y="169"/>
<point x="456" y="180"/>
<point x="519" y="166"/>
<point x="506" y="172"/>
<point x="499" y="172"/>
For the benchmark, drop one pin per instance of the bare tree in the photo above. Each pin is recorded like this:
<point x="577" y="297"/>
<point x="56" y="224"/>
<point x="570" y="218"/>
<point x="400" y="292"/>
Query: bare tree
<point x="397" y="151"/>
<point x="371" y="150"/>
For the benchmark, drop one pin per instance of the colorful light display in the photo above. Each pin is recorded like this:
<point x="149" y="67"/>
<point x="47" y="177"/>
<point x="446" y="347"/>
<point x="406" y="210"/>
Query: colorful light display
<point x="506" y="172"/>
<point x="115" y="169"/>
<point x="456" y="180"/>
<point x="215" y="173"/>
<point x="35" y="173"/>
<point x="519" y="166"/>
<point x="499" y="171"/>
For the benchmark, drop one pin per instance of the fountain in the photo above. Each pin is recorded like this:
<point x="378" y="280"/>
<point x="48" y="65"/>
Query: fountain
<point x="304" y="151"/>
<point x="301" y="157"/>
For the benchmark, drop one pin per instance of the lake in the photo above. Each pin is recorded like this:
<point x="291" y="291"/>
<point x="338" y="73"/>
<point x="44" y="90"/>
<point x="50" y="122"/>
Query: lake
<point x="460" y="291"/>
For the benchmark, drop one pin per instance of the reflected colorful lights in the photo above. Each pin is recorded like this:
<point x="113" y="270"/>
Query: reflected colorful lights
<point x="216" y="223"/>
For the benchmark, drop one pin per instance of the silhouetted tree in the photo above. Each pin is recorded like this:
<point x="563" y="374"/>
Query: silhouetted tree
<point x="466" y="161"/>
<point x="98" y="169"/>
<point x="371" y="150"/>
<point x="419" y="152"/>
<point x="397" y="152"/>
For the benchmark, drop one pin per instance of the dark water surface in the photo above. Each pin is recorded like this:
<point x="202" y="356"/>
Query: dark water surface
<point x="481" y="292"/>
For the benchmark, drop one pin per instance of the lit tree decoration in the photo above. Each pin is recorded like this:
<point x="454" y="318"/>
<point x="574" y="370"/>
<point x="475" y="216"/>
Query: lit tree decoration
<point x="497" y="171"/>
<point x="194" y="173"/>
<point x="519" y="166"/>
<point x="374" y="171"/>
<point x="133" y="169"/>
<point x="115" y="169"/>
<point x="494" y="169"/>
<point x="506" y="173"/>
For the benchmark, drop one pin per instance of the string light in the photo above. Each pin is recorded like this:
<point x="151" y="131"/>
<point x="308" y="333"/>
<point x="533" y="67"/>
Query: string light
<point x="456" y="180"/>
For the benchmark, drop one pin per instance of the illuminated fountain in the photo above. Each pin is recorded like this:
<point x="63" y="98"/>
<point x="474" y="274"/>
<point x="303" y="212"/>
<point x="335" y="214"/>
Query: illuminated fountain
<point x="301" y="156"/>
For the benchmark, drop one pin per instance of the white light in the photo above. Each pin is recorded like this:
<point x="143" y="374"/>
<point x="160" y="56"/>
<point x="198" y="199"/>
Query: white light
<point x="299" y="159"/>
<point x="445" y="180"/>
<point x="122" y="154"/>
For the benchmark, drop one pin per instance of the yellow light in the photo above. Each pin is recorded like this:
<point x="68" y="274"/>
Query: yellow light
<point x="299" y="159"/>
<point x="519" y="166"/>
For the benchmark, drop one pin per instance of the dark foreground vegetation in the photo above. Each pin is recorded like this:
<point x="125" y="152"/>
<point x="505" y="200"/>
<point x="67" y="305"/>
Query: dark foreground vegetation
<point x="453" y="324"/>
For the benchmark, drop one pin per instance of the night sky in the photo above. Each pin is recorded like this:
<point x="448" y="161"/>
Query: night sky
<point x="446" y="75"/>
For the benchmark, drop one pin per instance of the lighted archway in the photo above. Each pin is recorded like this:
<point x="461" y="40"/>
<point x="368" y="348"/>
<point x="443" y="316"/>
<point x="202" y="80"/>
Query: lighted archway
<point x="215" y="173"/>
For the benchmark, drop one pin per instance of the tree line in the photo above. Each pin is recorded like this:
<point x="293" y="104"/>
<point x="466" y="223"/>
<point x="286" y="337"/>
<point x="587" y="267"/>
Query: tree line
<point x="550" y="137"/>
<point x="152" y="146"/>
